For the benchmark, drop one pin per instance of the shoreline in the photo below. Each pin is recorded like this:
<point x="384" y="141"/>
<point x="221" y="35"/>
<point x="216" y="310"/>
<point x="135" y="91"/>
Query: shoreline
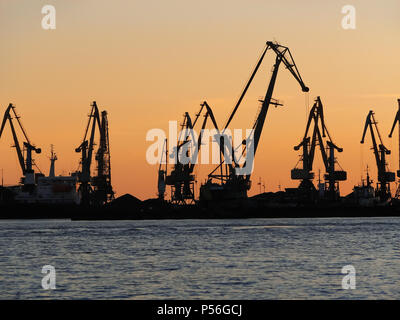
<point x="76" y="213"/>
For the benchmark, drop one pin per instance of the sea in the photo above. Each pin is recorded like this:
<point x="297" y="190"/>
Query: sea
<point x="249" y="259"/>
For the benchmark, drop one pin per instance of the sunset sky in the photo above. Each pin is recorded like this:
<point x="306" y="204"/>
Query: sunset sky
<point x="148" y="62"/>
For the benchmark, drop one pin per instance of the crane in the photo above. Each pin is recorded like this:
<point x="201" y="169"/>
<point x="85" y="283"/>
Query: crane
<point x="103" y="192"/>
<point x="308" y="145"/>
<point x="397" y="120"/>
<point x="96" y="190"/>
<point x="232" y="184"/>
<point x="181" y="179"/>
<point x="380" y="152"/>
<point x="27" y="163"/>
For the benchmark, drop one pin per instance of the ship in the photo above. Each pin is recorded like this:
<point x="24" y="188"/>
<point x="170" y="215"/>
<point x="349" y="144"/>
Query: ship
<point x="49" y="190"/>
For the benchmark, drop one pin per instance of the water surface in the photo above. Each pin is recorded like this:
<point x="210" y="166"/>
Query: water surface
<point x="201" y="259"/>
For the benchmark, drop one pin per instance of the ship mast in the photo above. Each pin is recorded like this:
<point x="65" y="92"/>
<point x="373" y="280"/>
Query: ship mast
<point x="53" y="159"/>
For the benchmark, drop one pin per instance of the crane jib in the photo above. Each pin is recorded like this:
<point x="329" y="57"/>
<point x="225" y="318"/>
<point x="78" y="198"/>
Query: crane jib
<point x="282" y="55"/>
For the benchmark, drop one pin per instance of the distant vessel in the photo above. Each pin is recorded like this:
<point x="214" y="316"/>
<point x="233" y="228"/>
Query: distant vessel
<point x="47" y="190"/>
<point x="34" y="188"/>
<point x="365" y="195"/>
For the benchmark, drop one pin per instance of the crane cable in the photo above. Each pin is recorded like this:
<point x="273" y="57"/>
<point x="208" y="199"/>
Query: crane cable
<point x="260" y="59"/>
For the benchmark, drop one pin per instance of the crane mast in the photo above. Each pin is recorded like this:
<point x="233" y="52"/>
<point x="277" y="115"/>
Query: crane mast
<point x="380" y="152"/>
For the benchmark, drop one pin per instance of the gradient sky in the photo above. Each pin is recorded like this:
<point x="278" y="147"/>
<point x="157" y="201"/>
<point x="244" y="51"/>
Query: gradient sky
<point x="147" y="62"/>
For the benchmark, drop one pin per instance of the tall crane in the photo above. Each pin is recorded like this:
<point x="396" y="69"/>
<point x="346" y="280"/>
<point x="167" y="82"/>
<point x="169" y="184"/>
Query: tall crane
<point x="103" y="192"/>
<point x="233" y="185"/>
<point x="397" y="120"/>
<point x="380" y="152"/>
<point x="308" y="145"/>
<point x="181" y="179"/>
<point x="96" y="190"/>
<point x="162" y="171"/>
<point x="27" y="163"/>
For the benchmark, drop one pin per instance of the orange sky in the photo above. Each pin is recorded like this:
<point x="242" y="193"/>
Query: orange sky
<point x="147" y="62"/>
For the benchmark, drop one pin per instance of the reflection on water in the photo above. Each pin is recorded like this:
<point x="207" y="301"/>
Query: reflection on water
<point x="201" y="259"/>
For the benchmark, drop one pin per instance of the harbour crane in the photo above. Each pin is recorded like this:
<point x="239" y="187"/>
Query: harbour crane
<point x="380" y="152"/>
<point x="181" y="179"/>
<point x="308" y="145"/>
<point x="231" y="184"/>
<point x="96" y="190"/>
<point x="26" y="164"/>
<point x="103" y="192"/>
<point x="397" y="120"/>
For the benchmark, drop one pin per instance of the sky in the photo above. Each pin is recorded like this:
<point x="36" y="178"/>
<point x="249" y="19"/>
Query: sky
<point x="149" y="62"/>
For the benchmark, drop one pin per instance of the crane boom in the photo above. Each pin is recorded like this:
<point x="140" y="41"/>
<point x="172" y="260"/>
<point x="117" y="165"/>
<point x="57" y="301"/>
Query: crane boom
<point x="284" y="56"/>
<point x="396" y="120"/>
<point x="369" y="123"/>
<point x="235" y="181"/>
<point x="247" y="86"/>
<point x="7" y="117"/>
<point x="380" y="152"/>
<point x="25" y="164"/>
